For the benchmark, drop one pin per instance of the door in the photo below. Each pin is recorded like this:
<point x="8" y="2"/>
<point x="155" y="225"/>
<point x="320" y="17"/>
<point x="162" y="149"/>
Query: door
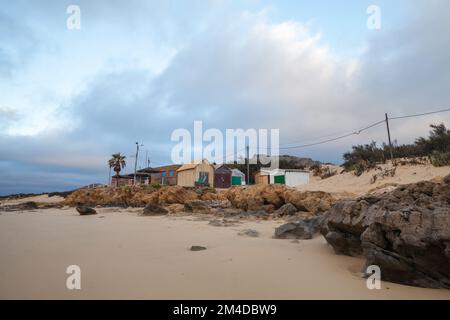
<point x="279" y="180"/>
<point x="236" y="181"/>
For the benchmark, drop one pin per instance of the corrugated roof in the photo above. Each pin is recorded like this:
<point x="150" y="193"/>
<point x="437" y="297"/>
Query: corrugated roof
<point x="192" y="165"/>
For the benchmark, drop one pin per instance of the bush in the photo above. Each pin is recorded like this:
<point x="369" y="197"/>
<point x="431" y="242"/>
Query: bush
<point x="156" y="185"/>
<point x="436" y="147"/>
<point x="440" y="159"/>
<point x="208" y="190"/>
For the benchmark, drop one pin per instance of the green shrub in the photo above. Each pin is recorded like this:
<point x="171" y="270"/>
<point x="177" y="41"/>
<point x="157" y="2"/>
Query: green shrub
<point x="156" y="185"/>
<point x="436" y="147"/>
<point x="440" y="159"/>
<point x="208" y="190"/>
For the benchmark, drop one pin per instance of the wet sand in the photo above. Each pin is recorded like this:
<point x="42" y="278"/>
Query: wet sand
<point x="126" y="256"/>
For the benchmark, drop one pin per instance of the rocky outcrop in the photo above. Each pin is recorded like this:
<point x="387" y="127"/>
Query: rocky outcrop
<point x="273" y="197"/>
<point x="267" y="198"/>
<point x="406" y="232"/>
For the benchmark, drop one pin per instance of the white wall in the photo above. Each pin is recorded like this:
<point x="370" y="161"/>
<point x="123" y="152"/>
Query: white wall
<point x="294" y="179"/>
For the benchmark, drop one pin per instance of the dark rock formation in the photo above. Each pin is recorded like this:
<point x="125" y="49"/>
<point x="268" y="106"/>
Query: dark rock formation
<point x="85" y="211"/>
<point x="303" y="229"/>
<point x="405" y="232"/>
<point x="287" y="209"/>
<point x="154" y="210"/>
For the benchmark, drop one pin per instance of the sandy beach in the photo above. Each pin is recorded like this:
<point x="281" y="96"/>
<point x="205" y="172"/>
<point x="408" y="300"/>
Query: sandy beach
<point x="126" y="256"/>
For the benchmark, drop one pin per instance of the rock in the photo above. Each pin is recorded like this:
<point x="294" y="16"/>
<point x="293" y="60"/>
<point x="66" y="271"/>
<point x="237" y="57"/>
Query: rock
<point x="85" y="211"/>
<point x="286" y="210"/>
<point x="197" y="248"/>
<point x="303" y="229"/>
<point x="154" y="210"/>
<point x="176" y="194"/>
<point x="406" y="232"/>
<point x="196" y="206"/>
<point x="249" y="233"/>
<point x="311" y="201"/>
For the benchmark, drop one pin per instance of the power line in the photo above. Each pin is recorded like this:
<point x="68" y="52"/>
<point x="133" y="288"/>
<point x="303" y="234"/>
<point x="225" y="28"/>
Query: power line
<point x="357" y="132"/>
<point x="419" y="114"/>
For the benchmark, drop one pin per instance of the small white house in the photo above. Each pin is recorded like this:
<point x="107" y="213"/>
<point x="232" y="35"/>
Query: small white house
<point x="289" y="177"/>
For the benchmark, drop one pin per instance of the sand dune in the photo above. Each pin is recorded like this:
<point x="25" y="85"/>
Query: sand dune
<point x="123" y="255"/>
<point x="347" y="184"/>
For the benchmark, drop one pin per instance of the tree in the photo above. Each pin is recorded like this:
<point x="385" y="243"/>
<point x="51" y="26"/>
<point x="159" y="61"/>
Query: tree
<point x="117" y="162"/>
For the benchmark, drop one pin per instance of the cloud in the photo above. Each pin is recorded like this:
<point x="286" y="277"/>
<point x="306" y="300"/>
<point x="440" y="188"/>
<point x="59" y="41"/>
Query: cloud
<point x="232" y="70"/>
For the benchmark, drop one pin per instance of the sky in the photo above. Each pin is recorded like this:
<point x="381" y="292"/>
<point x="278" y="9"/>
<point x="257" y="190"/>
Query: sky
<point x="138" y="70"/>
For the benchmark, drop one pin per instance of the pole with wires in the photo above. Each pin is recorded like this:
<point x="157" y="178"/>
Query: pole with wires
<point x="389" y="137"/>
<point x="247" y="159"/>
<point x="135" y="162"/>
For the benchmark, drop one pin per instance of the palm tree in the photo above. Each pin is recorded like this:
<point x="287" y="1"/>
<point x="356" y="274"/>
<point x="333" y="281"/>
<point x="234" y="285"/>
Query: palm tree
<point x="117" y="162"/>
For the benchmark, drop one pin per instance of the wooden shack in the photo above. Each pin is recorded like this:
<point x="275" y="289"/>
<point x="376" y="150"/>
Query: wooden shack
<point x="197" y="173"/>
<point x="222" y="176"/>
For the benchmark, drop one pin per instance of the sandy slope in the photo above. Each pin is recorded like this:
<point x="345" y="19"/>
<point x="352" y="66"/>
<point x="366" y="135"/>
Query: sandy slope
<point x="122" y="255"/>
<point x="347" y="184"/>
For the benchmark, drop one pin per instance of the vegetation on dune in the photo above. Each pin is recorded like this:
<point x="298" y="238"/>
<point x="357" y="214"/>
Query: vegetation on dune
<point x="436" y="148"/>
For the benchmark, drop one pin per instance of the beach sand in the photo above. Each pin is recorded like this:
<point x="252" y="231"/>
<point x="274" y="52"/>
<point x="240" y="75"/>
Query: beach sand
<point x="126" y="256"/>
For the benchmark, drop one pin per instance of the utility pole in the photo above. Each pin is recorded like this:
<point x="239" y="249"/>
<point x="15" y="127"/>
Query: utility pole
<point x="248" y="164"/>
<point x="135" y="162"/>
<point x="109" y="177"/>
<point x="389" y="137"/>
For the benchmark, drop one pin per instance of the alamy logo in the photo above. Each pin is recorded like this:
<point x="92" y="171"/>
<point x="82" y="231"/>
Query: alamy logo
<point x="374" y="20"/>
<point x="374" y="279"/>
<point x="73" y="281"/>
<point x="73" y="22"/>
<point x="218" y="148"/>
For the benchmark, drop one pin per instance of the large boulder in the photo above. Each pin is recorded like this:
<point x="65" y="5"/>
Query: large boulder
<point x="154" y="210"/>
<point x="405" y="232"/>
<point x="303" y="229"/>
<point x="287" y="209"/>
<point x="85" y="211"/>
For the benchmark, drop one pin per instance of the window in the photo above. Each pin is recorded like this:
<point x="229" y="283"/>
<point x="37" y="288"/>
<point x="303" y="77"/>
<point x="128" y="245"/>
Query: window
<point x="171" y="173"/>
<point x="163" y="174"/>
<point x="203" y="177"/>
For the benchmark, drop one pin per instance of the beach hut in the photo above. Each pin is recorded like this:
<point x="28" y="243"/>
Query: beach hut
<point x="294" y="178"/>
<point x="197" y="173"/>
<point x="277" y="176"/>
<point x="237" y="177"/>
<point x="222" y="176"/>
<point x="262" y="177"/>
<point x="289" y="177"/>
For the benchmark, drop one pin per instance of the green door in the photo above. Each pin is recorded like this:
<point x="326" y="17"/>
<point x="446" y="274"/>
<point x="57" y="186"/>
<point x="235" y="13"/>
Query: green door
<point x="279" y="180"/>
<point x="236" y="181"/>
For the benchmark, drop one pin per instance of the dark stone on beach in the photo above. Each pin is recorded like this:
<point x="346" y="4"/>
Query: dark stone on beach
<point x="85" y="211"/>
<point x="303" y="229"/>
<point x="197" y="248"/>
<point x="287" y="209"/>
<point x="154" y="210"/>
